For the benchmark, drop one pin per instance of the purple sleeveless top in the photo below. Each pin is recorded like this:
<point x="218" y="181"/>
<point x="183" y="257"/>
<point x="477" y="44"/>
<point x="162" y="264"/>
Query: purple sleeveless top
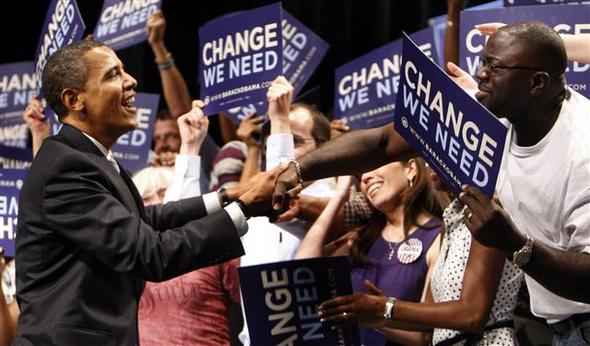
<point x="404" y="281"/>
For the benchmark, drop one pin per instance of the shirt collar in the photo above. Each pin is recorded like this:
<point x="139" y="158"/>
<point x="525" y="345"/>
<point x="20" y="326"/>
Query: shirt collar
<point x="106" y="152"/>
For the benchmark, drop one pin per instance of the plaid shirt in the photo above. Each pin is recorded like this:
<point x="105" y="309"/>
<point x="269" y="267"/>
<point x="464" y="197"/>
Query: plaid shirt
<point x="356" y="211"/>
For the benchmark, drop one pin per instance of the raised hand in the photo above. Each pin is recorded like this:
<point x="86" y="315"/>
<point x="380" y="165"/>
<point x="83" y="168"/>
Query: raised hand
<point x="338" y="128"/>
<point x="461" y="77"/>
<point x="35" y="118"/>
<point x="193" y="128"/>
<point x="279" y="97"/>
<point x="249" y="129"/>
<point x="156" y="26"/>
<point x="37" y="123"/>
<point x="489" y="28"/>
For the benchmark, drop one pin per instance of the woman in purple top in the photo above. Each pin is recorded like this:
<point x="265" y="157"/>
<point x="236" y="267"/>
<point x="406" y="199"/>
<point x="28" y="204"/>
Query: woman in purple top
<point x="398" y="247"/>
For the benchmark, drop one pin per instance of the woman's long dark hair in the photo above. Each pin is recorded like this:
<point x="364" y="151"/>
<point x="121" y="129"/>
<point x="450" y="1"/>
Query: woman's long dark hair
<point x="420" y="197"/>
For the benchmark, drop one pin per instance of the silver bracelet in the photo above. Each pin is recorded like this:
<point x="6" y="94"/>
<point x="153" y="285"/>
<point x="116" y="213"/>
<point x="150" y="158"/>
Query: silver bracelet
<point x="166" y="64"/>
<point x="389" y="307"/>
<point x="298" y="170"/>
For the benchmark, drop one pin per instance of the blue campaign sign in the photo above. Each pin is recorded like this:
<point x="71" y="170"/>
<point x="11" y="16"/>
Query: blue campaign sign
<point x="240" y="55"/>
<point x="132" y="149"/>
<point x="439" y="24"/>
<point x="461" y="140"/>
<point x="280" y="301"/>
<point x="122" y="23"/>
<point x="15" y="158"/>
<point x="11" y="182"/>
<point x="17" y="86"/>
<point x="237" y="114"/>
<point x="509" y="3"/>
<point x="63" y="25"/>
<point x="565" y="19"/>
<point x="303" y="51"/>
<point x="365" y="88"/>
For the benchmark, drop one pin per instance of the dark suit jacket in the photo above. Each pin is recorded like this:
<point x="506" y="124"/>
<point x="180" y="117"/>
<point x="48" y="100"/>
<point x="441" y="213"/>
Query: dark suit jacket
<point x="85" y="245"/>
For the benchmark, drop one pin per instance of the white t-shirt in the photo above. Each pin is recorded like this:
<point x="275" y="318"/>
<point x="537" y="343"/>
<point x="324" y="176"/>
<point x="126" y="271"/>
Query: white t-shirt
<point x="546" y="190"/>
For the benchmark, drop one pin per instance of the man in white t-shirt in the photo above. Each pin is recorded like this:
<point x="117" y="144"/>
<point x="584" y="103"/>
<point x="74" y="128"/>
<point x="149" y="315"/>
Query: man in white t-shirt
<point x="545" y="179"/>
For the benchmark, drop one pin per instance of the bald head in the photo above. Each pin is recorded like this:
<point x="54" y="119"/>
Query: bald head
<point x="542" y="46"/>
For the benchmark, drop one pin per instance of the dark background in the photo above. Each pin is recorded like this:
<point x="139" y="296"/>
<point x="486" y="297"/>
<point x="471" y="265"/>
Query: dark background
<point x="351" y="27"/>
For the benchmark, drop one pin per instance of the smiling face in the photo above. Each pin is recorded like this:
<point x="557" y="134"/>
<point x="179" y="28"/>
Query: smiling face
<point x="108" y="97"/>
<point x="166" y="136"/>
<point x="504" y="92"/>
<point x="385" y="185"/>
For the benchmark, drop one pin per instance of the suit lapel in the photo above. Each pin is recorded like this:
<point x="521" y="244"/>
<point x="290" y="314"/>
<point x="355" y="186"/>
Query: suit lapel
<point x="134" y="192"/>
<point x="125" y="189"/>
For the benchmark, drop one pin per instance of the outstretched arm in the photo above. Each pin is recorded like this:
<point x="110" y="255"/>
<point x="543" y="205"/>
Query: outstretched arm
<point x="469" y="313"/>
<point x="315" y="238"/>
<point x="351" y="153"/>
<point x="174" y="86"/>
<point x="187" y="170"/>
<point x="577" y="46"/>
<point x="451" y="48"/>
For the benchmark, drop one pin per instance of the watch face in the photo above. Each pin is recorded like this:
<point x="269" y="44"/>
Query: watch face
<point x="522" y="256"/>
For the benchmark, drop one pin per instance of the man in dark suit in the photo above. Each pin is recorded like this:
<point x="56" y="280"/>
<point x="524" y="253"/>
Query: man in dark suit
<point x="85" y="242"/>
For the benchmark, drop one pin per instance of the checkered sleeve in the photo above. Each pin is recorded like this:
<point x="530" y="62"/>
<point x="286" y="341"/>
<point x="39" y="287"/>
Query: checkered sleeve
<point x="356" y="211"/>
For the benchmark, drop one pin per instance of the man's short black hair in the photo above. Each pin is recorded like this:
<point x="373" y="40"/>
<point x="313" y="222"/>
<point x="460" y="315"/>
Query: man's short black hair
<point x="66" y="68"/>
<point x="544" y="44"/>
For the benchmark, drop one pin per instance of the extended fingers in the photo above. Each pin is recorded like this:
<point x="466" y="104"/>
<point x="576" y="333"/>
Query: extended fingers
<point x="339" y="320"/>
<point x="339" y="125"/>
<point x="455" y="70"/>
<point x="489" y="28"/>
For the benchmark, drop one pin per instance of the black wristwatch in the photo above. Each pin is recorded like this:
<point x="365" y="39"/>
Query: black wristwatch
<point x="223" y="196"/>
<point x="243" y="207"/>
<point x="521" y="257"/>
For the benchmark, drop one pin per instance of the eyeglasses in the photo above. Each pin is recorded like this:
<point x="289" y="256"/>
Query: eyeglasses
<point x="492" y="68"/>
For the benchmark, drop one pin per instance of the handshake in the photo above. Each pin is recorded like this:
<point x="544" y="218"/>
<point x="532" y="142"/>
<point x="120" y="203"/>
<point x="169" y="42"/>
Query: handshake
<point x="266" y="193"/>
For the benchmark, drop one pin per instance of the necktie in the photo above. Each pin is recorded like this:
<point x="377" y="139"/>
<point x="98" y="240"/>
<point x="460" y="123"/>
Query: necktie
<point x="113" y="162"/>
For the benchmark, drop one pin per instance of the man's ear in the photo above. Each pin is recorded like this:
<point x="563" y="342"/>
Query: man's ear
<point x="72" y="99"/>
<point x="539" y="81"/>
